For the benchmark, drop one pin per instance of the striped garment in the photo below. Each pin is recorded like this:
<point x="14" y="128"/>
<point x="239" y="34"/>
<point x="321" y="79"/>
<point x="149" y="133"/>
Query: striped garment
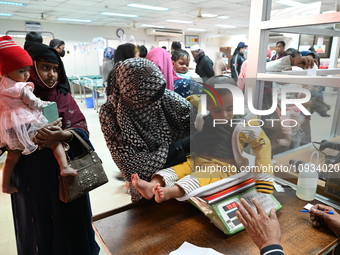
<point x="273" y="249"/>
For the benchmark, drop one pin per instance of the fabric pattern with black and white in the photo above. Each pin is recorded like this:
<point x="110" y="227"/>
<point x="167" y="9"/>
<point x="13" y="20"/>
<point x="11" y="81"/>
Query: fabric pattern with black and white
<point x="139" y="120"/>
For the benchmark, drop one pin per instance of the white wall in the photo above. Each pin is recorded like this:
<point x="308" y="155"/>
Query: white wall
<point x="211" y="46"/>
<point x="234" y="40"/>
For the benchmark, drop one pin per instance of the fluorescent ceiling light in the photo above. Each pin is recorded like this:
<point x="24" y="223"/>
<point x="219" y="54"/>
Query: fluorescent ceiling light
<point x="76" y="20"/>
<point x="145" y="25"/>
<point x="223" y="17"/>
<point x="206" y="15"/>
<point x="290" y="3"/>
<point x="225" y="26"/>
<point x="196" y="29"/>
<point x="119" y="14"/>
<point x="149" y="7"/>
<point x="179" y="21"/>
<point x="5" y="14"/>
<point x="11" y="3"/>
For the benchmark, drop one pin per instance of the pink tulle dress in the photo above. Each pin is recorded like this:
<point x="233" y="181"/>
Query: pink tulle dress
<point x="20" y="115"/>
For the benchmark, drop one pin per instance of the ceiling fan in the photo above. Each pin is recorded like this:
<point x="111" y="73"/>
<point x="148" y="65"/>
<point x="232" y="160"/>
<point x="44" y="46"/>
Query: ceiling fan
<point x="201" y="16"/>
<point x="43" y="16"/>
<point x="37" y="15"/>
<point x="132" y="26"/>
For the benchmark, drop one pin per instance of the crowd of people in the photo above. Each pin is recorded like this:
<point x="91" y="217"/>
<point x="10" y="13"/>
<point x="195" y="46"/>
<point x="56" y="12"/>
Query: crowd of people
<point x="153" y="126"/>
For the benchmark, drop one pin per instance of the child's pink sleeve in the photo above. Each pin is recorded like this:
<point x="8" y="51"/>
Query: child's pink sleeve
<point x="31" y="100"/>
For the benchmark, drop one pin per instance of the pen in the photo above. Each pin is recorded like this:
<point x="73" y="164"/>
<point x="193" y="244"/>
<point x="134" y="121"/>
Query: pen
<point x="328" y="212"/>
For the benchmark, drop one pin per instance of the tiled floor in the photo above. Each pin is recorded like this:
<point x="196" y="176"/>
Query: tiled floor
<point x="105" y="198"/>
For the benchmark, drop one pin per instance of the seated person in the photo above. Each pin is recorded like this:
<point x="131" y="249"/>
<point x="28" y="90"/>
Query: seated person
<point x="212" y="147"/>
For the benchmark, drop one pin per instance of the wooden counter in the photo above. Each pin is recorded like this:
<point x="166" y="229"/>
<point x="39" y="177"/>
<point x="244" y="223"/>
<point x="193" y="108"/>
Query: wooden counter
<point x="150" y="228"/>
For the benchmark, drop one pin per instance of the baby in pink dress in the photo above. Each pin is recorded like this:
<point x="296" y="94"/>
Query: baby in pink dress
<point x="21" y="112"/>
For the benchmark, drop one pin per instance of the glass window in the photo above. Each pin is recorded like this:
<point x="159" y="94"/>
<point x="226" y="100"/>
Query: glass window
<point x="294" y="129"/>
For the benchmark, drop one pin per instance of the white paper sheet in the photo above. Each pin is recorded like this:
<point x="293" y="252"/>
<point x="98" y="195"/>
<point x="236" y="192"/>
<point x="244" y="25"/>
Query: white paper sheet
<point x="312" y="71"/>
<point x="190" y="249"/>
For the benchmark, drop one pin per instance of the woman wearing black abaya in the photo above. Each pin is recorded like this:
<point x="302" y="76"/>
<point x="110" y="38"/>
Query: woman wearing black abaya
<point x="44" y="224"/>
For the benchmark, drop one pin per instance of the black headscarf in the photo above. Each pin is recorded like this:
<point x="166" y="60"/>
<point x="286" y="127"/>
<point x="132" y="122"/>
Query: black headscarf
<point x="42" y="52"/>
<point x="68" y="109"/>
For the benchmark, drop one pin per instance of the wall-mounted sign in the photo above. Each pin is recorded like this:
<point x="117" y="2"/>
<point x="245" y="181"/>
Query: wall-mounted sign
<point x="191" y="40"/>
<point x="33" y="26"/>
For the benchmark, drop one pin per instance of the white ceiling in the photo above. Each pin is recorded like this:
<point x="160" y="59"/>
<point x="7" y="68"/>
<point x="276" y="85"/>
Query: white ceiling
<point x="50" y="10"/>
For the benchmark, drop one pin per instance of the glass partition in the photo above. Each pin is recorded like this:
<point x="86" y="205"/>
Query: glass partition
<point x="297" y="8"/>
<point x="296" y="128"/>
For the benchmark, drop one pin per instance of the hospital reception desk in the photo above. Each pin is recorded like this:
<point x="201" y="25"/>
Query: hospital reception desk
<point x="148" y="228"/>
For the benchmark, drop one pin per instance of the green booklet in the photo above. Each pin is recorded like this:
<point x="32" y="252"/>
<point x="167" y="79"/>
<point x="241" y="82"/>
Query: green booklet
<point x="50" y="112"/>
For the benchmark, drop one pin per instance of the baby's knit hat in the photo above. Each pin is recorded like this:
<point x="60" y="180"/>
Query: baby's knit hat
<point x="12" y="56"/>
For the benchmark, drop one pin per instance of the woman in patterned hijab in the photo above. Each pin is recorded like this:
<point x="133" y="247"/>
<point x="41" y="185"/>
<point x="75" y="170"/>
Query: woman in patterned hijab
<point x="143" y="123"/>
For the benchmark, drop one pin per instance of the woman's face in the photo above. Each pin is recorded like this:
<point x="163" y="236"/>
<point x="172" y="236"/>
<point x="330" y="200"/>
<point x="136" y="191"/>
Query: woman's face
<point x="181" y="65"/>
<point x="48" y="72"/>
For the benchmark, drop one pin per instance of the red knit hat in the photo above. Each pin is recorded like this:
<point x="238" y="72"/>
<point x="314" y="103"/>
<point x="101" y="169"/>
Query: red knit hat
<point x="12" y="56"/>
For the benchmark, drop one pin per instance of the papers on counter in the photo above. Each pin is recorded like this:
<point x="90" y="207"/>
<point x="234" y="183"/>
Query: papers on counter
<point x="190" y="249"/>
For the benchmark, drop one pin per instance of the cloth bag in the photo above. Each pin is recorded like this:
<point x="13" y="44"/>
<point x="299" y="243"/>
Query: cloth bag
<point x="90" y="174"/>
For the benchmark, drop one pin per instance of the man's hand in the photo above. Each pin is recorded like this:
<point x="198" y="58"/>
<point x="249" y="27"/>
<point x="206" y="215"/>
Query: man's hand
<point x="262" y="229"/>
<point x="303" y="62"/>
<point x="320" y="218"/>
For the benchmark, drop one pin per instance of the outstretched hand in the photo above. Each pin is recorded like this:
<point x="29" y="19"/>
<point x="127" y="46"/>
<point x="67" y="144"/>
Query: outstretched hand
<point x="263" y="230"/>
<point x="320" y="218"/>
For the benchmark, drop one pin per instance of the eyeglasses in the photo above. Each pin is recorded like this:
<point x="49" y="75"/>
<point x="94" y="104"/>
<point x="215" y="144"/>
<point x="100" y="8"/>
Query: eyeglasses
<point x="61" y="48"/>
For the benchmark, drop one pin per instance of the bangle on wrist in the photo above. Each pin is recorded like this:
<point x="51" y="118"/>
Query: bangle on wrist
<point x="69" y="140"/>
